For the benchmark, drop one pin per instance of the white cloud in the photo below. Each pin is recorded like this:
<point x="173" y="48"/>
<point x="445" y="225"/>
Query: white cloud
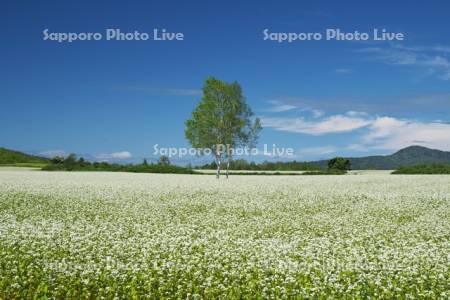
<point x="332" y="124"/>
<point x="393" y="134"/>
<point x="381" y="132"/>
<point x="317" y="113"/>
<point x="122" y="155"/>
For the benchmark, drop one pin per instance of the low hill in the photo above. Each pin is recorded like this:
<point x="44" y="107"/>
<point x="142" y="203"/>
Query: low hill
<point x="11" y="157"/>
<point x="409" y="156"/>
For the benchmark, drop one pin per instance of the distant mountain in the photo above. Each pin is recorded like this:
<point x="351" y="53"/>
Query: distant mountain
<point x="409" y="156"/>
<point x="11" y="157"/>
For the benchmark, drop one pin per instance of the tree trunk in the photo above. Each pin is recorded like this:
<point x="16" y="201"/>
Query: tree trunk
<point x="218" y="166"/>
<point x="228" y="166"/>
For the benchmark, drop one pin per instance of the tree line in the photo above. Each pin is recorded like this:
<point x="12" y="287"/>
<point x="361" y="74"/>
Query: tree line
<point x="242" y="164"/>
<point x="72" y="163"/>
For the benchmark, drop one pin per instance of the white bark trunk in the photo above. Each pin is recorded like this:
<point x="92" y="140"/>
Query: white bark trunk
<point x="218" y="162"/>
<point x="228" y="166"/>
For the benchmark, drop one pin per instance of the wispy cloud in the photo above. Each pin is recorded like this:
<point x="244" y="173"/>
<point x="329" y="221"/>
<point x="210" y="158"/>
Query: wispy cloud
<point x="331" y="124"/>
<point x="277" y="106"/>
<point x="353" y="113"/>
<point x="52" y="153"/>
<point x="427" y="102"/>
<point x="343" y="71"/>
<point x="437" y="48"/>
<point x="431" y="60"/>
<point x="165" y="91"/>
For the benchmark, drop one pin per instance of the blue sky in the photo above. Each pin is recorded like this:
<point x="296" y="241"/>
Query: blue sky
<point x="115" y="100"/>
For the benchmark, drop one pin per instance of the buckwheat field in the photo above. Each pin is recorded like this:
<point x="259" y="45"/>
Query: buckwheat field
<point x="87" y="235"/>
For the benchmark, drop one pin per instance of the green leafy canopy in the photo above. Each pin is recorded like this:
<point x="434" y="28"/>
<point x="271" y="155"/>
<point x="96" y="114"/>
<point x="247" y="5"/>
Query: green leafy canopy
<point x="222" y="118"/>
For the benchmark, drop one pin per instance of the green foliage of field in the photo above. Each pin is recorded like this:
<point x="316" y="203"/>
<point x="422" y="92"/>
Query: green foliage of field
<point x="424" y="169"/>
